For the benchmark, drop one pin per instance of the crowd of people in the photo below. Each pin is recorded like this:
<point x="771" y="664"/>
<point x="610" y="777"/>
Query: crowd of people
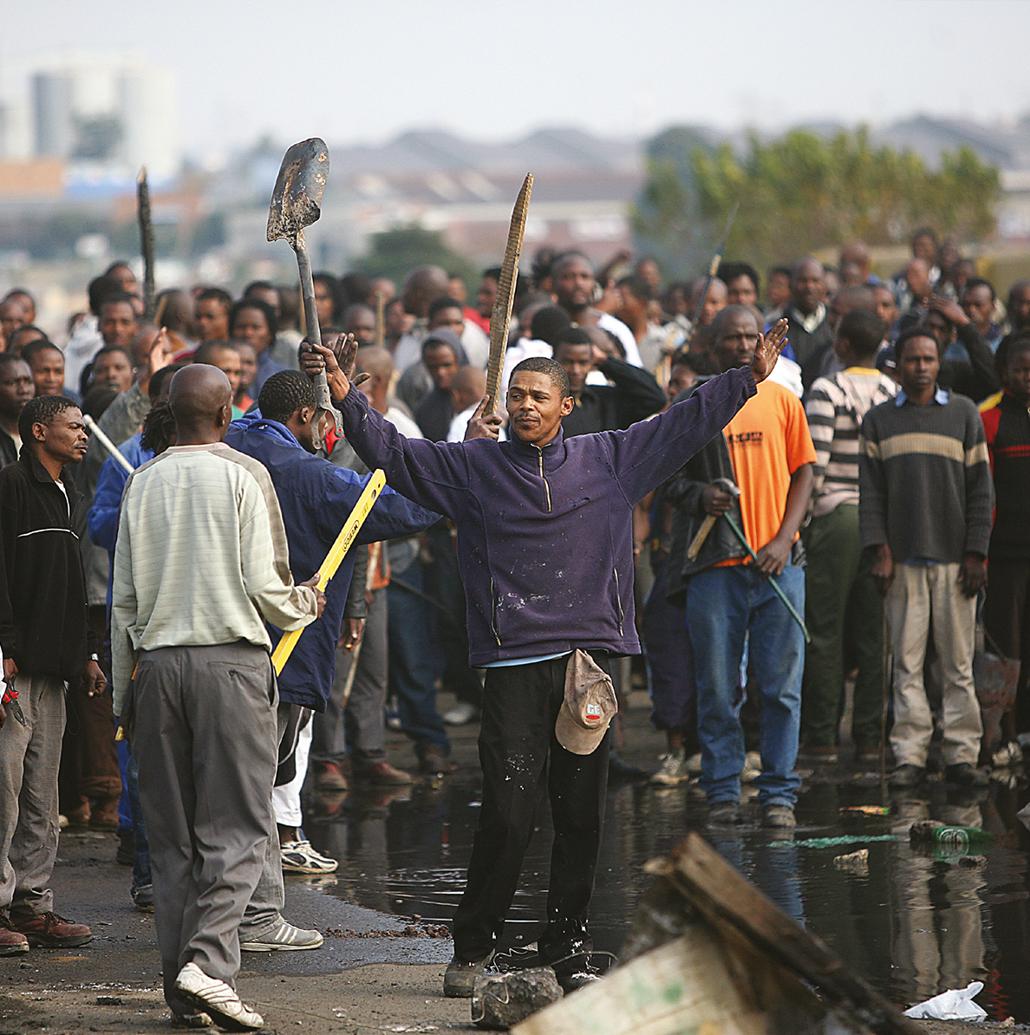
<point x="808" y="492"/>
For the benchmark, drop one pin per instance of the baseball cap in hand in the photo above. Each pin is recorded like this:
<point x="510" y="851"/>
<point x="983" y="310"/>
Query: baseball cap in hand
<point x="589" y="706"/>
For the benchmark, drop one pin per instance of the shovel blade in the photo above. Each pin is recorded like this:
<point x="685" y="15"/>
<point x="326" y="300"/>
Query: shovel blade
<point x="297" y="196"/>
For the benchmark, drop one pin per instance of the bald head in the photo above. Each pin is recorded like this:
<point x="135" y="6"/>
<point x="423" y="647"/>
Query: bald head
<point x="423" y="287"/>
<point x="200" y="398"/>
<point x="468" y="387"/>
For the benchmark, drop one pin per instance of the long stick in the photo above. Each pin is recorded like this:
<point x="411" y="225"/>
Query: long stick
<point x="146" y="241"/>
<point x="713" y="266"/>
<point x="111" y="448"/>
<point x="500" y="319"/>
<point x="380" y="338"/>
<point x="772" y="578"/>
<point x="373" y="487"/>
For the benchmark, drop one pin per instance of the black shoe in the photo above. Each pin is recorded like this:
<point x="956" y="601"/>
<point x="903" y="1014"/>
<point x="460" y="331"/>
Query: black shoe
<point x="575" y="972"/>
<point x="724" y="814"/>
<point x="126" y="854"/>
<point x="907" y="776"/>
<point x="966" y="775"/>
<point x="518" y="957"/>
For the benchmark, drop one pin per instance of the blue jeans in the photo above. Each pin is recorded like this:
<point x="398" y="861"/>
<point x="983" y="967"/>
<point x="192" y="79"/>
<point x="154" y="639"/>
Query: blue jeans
<point x="725" y="606"/>
<point x="141" y="864"/>
<point x="415" y="661"/>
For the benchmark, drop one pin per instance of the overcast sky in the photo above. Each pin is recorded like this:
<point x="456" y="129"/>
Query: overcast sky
<point x="361" y="71"/>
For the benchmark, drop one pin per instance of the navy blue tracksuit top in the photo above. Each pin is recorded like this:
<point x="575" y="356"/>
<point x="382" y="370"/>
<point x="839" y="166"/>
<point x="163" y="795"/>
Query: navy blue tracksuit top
<point x="545" y="536"/>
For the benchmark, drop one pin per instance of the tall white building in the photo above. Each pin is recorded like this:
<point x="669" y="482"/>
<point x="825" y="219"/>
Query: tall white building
<point x="85" y="103"/>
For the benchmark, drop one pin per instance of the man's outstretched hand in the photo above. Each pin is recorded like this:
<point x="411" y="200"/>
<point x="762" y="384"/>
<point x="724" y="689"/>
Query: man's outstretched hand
<point x="768" y="350"/>
<point x="337" y="361"/>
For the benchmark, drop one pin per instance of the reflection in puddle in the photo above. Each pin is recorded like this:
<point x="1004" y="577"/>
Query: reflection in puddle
<point x="922" y="920"/>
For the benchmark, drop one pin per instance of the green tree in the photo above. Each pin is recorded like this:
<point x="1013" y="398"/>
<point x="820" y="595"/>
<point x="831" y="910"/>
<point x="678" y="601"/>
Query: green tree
<point x="395" y="253"/>
<point x="801" y="192"/>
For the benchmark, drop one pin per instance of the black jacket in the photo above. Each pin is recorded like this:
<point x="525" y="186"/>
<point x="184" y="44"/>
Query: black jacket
<point x="635" y="396"/>
<point x="42" y="585"/>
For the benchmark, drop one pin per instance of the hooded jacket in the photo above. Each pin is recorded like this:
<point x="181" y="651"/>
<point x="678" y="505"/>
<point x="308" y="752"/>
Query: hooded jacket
<point x="545" y="543"/>
<point x="315" y="498"/>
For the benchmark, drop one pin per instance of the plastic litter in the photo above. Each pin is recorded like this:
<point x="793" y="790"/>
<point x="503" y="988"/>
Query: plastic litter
<point x="868" y="810"/>
<point x="856" y="863"/>
<point x="934" y="832"/>
<point x="954" y="1005"/>
<point x="835" y="842"/>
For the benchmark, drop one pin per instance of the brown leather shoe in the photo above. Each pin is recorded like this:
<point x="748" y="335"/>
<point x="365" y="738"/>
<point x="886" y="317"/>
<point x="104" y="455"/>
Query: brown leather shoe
<point x="383" y="774"/>
<point x="329" y="777"/>
<point x="105" y="815"/>
<point x="80" y="815"/>
<point x="12" y="943"/>
<point x="51" y="931"/>
<point x="435" y="763"/>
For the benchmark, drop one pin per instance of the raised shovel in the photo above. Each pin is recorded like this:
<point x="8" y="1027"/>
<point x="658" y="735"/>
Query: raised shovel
<point x="296" y="204"/>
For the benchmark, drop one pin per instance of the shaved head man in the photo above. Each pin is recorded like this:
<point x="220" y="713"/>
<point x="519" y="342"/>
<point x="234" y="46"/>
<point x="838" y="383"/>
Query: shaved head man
<point x="201" y="565"/>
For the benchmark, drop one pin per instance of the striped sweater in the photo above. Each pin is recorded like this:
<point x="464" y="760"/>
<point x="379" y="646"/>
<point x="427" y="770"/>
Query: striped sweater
<point x="925" y="481"/>
<point x="836" y="406"/>
<point x="201" y="558"/>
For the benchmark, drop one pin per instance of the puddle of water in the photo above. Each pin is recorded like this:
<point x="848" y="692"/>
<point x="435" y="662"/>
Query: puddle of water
<point x="920" y="922"/>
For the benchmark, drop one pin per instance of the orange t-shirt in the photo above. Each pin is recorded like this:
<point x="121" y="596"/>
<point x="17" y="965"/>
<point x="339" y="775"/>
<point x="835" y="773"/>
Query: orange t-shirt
<point x="768" y="441"/>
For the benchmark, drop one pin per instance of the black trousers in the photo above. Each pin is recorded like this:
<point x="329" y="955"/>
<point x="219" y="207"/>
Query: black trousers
<point x="520" y="757"/>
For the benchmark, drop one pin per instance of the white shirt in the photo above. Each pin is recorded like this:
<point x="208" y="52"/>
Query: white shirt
<point x="609" y="323"/>
<point x="788" y="373"/>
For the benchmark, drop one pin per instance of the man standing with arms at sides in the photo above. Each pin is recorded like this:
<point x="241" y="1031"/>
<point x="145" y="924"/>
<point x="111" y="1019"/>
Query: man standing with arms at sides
<point x="200" y="566"/>
<point x="841" y="601"/>
<point x="925" y="514"/>
<point x="46" y="649"/>
<point x="545" y="549"/>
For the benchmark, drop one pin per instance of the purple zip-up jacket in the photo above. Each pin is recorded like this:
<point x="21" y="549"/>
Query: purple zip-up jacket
<point x="545" y="536"/>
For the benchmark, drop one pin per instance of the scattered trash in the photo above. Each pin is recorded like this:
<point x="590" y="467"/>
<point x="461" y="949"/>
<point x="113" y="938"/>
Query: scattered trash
<point x="868" y="810"/>
<point x="932" y="831"/>
<point x="835" y="842"/>
<point x="854" y="862"/>
<point x="109" y="1000"/>
<point x="500" y="1001"/>
<point x="954" y="1005"/>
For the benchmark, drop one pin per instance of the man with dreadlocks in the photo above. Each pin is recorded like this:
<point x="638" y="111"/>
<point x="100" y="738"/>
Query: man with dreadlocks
<point x="46" y="650"/>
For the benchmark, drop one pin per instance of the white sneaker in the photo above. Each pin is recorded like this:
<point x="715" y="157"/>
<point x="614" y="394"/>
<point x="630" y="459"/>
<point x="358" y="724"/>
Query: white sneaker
<point x="672" y="770"/>
<point x="284" y="938"/>
<point x="218" y="1000"/>
<point x="694" y="764"/>
<point x="300" y="857"/>
<point x="460" y="714"/>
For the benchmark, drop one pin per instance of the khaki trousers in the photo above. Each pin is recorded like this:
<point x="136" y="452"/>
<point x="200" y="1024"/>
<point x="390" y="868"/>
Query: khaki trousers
<point x="924" y="599"/>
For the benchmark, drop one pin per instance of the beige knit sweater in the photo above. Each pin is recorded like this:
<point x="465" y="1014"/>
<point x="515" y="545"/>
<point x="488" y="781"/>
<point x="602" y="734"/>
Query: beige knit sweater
<point x="201" y="558"/>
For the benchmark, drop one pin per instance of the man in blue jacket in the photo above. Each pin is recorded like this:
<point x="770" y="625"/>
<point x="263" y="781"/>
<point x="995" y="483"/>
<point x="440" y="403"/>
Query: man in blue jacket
<point x="545" y="548"/>
<point x="315" y="497"/>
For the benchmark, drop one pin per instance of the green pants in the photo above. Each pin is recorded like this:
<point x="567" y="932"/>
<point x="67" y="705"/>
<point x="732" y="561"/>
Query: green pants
<point x="844" y="613"/>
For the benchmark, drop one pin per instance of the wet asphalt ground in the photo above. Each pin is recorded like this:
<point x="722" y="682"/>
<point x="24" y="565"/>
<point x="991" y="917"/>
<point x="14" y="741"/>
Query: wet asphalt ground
<point x="915" y="922"/>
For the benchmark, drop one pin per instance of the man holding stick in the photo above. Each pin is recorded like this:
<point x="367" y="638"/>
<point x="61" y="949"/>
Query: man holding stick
<point x="545" y="548"/>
